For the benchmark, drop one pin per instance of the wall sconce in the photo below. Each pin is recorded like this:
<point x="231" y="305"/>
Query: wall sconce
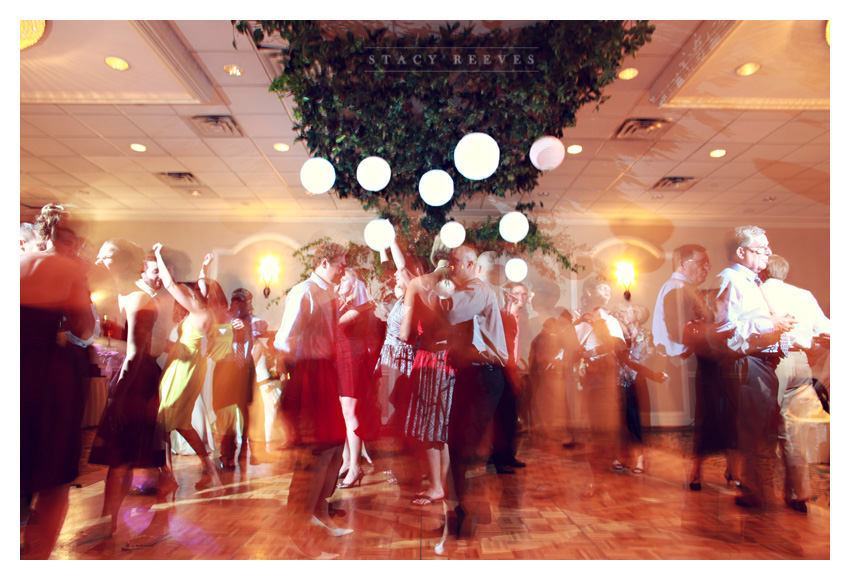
<point x="269" y="270"/>
<point x="625" y="272"/>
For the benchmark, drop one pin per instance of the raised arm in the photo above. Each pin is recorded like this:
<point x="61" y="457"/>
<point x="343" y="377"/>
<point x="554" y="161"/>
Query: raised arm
<point x="204" y="274"/>
<point x="181" y="295"/>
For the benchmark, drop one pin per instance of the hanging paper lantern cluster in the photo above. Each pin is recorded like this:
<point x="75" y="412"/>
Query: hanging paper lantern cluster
<point x="477" y="156"/>
<point x="379" y="234"/>
<point x="516" y="269"/>
<point x="318" y="175"/>
<point x="513" y="226"/>
<point x="452" y="234"/>
<point x="373" y="174"/>
<point x="547" y="153"/>
<point x="436" y="187"/>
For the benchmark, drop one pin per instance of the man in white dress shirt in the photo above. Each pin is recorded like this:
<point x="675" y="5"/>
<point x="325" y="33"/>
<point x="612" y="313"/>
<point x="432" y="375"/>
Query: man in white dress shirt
<point x="798" y="401"/>
<point x="751" y="334"/>
<point x="307" y="344"/>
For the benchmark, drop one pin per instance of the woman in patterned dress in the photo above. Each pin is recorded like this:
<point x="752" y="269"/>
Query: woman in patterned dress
<point x="432" y="381"/>
<point x="633" y="379"/>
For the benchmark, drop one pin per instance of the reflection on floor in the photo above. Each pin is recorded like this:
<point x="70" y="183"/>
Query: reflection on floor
<point x="537" y="514"/>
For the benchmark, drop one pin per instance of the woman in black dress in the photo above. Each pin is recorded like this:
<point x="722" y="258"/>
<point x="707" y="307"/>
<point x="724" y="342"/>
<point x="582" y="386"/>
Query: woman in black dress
<point x="128" y="436"/>
<point x="54" y="298"/>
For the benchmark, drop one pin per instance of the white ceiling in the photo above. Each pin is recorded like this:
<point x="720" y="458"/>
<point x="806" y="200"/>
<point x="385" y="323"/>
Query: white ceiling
<point x="78" y="119"/>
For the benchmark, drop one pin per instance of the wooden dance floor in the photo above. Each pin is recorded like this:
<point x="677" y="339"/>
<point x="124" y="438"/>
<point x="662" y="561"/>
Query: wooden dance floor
<point x="537" y="514"/>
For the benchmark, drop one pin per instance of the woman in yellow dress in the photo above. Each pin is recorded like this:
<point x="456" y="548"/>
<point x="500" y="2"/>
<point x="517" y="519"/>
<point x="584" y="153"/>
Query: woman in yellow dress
<point x="186" y="367"/>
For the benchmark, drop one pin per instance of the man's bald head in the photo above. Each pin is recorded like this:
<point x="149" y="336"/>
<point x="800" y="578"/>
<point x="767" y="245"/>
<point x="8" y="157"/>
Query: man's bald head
<point x="462" y="261"/>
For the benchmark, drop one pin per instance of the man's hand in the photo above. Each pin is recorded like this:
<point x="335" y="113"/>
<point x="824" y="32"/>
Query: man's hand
<point x="784" y="323"/>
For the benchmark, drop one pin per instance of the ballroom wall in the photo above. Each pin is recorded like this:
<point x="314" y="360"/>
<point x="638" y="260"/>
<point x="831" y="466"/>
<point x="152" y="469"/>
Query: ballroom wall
<point x="238" y="247"/>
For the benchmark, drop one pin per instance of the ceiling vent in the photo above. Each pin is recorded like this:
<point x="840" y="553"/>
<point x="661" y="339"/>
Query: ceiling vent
<point x="179" y="179"/>
<point x="673" y="184"/>
<point x="642" y="129"/>
<point x="216" y="126"/>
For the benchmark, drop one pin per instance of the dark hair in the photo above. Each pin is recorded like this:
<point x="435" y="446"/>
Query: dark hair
<point x="242" y="295"/>
<point x="686" y="252"/>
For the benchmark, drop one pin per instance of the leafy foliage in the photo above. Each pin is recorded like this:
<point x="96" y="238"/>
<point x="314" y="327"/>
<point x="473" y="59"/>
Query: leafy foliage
<point x="362" y="96"/>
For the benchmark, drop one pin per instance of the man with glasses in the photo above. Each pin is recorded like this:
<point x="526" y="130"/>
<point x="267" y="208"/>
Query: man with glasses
<point x="680" y="313"/>
<point x="751" y="335"/>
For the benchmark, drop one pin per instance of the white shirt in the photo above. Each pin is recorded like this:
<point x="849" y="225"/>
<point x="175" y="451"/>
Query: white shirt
<point x="588" y="339"/>
<point x="741" y="308"/>
<point x="785" y="298"/>
<point x="310" y="320"/>
<point x="674" y="307"/>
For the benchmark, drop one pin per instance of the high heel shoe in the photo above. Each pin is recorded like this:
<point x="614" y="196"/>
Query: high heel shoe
<point x="731" y="479"/>
<point x="170" y="485"/>
<point x="336" y="532"/>
<point x="208" y="480"/>
<point x="639" y="466"/>
<point x="342" y="474"/>
<point x="343" y="485"/>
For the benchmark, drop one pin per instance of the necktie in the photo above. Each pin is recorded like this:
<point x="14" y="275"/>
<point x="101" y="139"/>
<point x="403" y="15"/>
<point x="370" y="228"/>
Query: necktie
<point x="239" y="346"/>
<point x="784" y="341"/>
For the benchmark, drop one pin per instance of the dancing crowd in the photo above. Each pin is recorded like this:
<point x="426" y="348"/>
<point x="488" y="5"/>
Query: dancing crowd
<point x="447" y="374"/>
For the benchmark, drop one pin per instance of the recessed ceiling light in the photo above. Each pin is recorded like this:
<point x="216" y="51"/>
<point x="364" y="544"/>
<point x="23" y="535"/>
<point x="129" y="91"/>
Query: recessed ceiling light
<point x="116" y="63"/>
<point x="196" y="193"/>
<point x="747" y="69"/>
<point x="628" y="73"/>
<point x="233" y="70"/>
<point x="574" y="149"/>
<point x="658" y="196"/>
<point x="138" y="147"/>
<point x="281" y="147"/>
<point x="543" y="194"/>
<point x="718" y="153"/>
<point x="770" y="198"/>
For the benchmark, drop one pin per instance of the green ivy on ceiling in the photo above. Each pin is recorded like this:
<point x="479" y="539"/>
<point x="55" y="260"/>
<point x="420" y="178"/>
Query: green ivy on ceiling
<point x="353" y="103"/>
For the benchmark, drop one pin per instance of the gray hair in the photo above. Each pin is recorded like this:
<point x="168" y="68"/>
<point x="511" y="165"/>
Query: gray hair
<point x="741" y="237"/>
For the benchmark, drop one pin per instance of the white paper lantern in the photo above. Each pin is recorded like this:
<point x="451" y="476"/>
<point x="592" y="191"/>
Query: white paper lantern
<point x="379" y="234"/>
<point x="547" y="153"/>
<point x="477" y="156"/>
<point x="318" y="175"/>
<point x="452" y="234"/>
<point x="373" y="173"/>
<point x="436" y="187"/>
<point x="516" y="269"/>
<point x="513" y="226"/>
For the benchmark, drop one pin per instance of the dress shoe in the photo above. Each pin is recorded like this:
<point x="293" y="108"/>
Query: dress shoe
<point x="797" y="505"/>
<point x="747" y="501"/>
<point x="569" y="445"/>
<point x="504" y="468"/>
<point x="514" y="462"/>
<point x="695" y="485"/>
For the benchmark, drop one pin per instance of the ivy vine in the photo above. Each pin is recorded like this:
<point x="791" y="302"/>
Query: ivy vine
<point x="365" y="95"/>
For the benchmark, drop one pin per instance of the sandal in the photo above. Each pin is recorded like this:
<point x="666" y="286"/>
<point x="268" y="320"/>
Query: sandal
<point x="90" y="536"/>
<point x="424" y="500"/>
<point x="144" y="541"/>
<point x="639" y="467"/>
